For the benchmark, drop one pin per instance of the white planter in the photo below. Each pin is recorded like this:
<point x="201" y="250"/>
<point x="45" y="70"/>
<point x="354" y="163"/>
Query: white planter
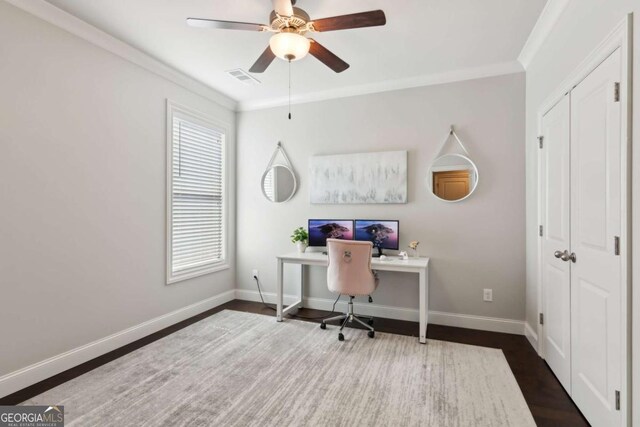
<point x="302" y="246"/>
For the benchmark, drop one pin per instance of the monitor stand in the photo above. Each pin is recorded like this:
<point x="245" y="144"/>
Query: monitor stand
<point x="379" y="254"/>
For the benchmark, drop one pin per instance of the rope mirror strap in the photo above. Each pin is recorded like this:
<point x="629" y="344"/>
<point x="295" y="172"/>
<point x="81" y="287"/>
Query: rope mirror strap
<point x="457" y="139"/>
<point x="279" y="149"/>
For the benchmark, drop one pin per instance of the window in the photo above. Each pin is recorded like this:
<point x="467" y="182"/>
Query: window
<point x="196" y="242"/>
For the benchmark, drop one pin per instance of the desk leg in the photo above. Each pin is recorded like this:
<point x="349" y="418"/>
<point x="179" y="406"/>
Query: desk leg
<point x="279" y="290"/>
<point x="301" y="284"/>
<point x="424" y="305"/>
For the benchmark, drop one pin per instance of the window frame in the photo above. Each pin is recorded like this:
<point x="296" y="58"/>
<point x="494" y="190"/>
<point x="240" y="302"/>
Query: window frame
<point x="174" y="109"/>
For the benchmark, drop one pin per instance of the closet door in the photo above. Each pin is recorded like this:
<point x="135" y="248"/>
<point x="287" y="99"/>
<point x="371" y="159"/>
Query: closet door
<point x="595" y="223"/>
<point x="555" y="199"/>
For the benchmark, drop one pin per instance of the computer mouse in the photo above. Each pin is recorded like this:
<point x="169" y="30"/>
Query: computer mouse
<point x="383" y="257"/>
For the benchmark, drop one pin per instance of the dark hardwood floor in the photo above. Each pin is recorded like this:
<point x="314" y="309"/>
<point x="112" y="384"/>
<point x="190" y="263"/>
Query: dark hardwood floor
<point x="547" y="400"/>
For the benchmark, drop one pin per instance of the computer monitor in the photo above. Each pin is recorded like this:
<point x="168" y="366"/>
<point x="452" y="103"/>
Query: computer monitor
<point x="383" y="234"/>
<point x="322" y="229"/>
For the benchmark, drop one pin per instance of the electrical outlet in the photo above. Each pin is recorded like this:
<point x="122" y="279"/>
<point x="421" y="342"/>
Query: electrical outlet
<point x="488" y="295"/>
<point x="254" y="273"/>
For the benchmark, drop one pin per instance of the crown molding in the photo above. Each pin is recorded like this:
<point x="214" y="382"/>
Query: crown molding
<point x="546" y="21"/>
<point x="387" y="86"/>
<point x="58" y="17"/>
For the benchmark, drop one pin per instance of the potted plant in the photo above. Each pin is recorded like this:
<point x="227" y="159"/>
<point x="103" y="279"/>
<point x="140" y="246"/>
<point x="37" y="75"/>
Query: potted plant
<point x="301" y="238"/>
<point x="414" y="247"/>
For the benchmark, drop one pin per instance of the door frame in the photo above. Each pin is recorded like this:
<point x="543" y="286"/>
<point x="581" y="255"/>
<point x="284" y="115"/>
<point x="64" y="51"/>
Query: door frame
<point x="619" y="38"/>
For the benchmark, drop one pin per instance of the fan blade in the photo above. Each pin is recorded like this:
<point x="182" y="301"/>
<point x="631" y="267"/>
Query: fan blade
<point x="327" y="57"/>
<point x="224" y="25"/>
<point x="263" y="62"/>
<point x="283" y="7"/>
<point x="356" y="20"/>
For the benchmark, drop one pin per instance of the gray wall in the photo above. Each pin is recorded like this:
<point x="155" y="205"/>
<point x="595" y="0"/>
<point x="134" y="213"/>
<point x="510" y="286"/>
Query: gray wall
<point x="82" y="185"/>
<point x="467" y="241"/>
<point x="582" y="26"/>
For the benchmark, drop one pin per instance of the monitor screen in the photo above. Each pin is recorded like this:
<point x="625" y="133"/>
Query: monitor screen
<point x="322" y="229"/>
<point x="383" y="234"/>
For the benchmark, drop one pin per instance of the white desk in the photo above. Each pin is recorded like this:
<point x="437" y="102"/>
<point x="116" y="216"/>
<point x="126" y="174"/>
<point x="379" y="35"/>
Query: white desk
<point x="418" y="266"/>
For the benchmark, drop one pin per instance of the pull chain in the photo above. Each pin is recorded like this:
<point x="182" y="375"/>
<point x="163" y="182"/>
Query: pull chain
<point x="289" y="89"/>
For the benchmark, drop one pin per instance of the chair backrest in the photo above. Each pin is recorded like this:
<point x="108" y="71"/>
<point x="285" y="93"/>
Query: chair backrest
<point x="349" y="271"/>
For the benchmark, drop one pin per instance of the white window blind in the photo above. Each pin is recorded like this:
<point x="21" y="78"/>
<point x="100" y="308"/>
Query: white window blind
<point x="197" y="197"/>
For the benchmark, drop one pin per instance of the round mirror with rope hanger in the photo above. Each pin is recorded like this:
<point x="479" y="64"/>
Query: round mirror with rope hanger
<point x="452" y="177"/>
<point x="279" y="183"/>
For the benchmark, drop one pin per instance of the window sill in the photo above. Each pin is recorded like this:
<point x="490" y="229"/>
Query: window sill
<point x="190" y="274"/>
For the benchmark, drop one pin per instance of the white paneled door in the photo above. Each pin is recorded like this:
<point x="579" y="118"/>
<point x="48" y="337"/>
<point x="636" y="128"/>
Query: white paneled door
<point x="555" y="205"/>
<point x="596" y="284"/>
<point x="581" y="264"/>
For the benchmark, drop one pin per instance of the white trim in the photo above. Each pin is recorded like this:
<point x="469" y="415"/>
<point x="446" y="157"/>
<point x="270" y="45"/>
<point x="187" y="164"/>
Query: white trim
<point x="32" y="374"/>
<point x="539" y="239"/>
<point x="619" y="38"/>
<point x="195" y="272"/>
<point x="327" y="304"/>
<point x="97" y="37"/>
<point x="388" y="85"/>
<point x="532" y="336"/>
<point x="483" y="323"/>
<point x="58" y="17"/>
<point x="223" y="127"/>
<point x="624" y="34"/>
<point x="545" y="23"/>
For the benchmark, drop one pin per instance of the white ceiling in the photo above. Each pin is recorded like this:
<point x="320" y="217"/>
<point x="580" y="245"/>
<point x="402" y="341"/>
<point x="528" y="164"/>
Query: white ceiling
<point x="422" y="38"/>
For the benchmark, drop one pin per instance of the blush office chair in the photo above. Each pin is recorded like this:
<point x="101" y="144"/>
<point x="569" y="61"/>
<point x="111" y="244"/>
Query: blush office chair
<point x="349" y="273"/>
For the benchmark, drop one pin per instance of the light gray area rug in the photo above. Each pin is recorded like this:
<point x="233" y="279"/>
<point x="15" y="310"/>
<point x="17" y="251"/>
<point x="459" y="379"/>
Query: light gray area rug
<point x="243" y="369"/>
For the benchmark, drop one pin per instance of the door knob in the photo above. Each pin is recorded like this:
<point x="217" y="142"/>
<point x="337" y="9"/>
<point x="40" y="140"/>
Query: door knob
<point x="558" y="254"/>
<point x="565" y="256"/>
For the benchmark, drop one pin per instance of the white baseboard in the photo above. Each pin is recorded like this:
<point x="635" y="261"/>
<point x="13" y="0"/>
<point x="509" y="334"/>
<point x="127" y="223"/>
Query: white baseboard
<point x="493" y="324"/>
<point x="32" y="374"/>
<point x="532" y="336"/>
<point x="483" y="323"/>
<point x="326" y="304"/>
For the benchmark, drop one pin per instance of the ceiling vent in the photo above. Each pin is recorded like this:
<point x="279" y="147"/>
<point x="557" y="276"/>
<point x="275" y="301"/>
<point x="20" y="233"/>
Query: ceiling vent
<point x="243" y="76"/>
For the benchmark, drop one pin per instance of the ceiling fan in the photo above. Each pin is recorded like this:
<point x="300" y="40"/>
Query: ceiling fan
<point x="289" y="25"/>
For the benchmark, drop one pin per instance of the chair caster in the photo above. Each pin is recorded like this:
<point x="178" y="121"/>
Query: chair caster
<point x="340" y="337"/>
<point x="370" y="322"/>
<point x="371" y="334"/>
<point x="323" y="325"/>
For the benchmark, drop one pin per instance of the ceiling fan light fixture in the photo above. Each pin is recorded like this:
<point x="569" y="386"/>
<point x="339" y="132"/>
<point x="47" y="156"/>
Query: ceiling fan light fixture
<point x="289" y="46"/>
